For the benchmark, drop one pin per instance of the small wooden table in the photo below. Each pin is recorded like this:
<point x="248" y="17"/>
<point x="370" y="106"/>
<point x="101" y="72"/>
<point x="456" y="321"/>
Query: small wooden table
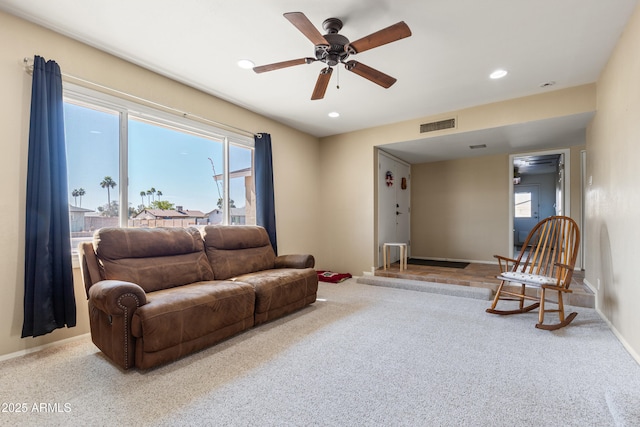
<point x="386" y="249"/>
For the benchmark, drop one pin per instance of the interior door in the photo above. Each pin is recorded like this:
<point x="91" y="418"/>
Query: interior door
<point x="394" y="200"/>
<point x="526" y="211"/>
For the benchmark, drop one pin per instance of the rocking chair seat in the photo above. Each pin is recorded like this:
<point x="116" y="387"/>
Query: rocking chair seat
<point x="528" y="279"/>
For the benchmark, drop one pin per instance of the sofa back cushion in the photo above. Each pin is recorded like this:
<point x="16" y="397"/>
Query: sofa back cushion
<point x="237" y="249"/>
<point x="154" y="258"/>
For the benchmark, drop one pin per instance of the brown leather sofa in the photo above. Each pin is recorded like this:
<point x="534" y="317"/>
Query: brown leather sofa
<point x="158" y="294"/>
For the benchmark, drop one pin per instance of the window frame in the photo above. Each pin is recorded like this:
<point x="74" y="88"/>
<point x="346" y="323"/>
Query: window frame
<point x="128" y="109"/>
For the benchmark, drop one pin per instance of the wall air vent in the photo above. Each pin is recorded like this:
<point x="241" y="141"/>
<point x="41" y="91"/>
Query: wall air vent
<point x="439" y="125"/>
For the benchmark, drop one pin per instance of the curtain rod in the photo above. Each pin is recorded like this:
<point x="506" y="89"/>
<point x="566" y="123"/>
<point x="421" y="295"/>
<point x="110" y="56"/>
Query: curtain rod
<point x="28" y="66"/>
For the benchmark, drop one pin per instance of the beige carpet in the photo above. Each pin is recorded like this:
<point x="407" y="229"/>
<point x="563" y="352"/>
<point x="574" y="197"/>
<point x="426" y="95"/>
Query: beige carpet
<point x="361" y="355"/>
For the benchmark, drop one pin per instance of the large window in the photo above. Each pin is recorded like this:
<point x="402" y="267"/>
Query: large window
<point x="92" y="137"/>
<point x="129" y="165"/>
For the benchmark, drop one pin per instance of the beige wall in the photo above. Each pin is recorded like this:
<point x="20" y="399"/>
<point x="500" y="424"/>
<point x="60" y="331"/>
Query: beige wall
<point x="613" y="198"/>
<point x="348" y="173"/>
<point x="295" y="154"/>
<point x="460" y="208"/>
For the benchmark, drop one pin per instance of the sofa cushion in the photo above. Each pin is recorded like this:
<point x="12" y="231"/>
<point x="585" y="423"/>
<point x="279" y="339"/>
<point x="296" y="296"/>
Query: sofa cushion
<point x="153" y="258"/>
<point x="179" y="315"/>
<point x="281" y="291"/>
<point x="238" y="249"/>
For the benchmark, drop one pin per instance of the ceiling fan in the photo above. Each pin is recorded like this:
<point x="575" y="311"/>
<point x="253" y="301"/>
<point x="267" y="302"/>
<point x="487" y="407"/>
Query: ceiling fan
<point x="333" y="49"/>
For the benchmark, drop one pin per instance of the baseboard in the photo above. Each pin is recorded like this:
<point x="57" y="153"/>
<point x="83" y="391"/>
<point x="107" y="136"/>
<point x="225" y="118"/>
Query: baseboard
<point x="42" y="347"/>
<point x="591" y="287"/>
<point x="624" y="342"/>
<point x="618" y="335"/>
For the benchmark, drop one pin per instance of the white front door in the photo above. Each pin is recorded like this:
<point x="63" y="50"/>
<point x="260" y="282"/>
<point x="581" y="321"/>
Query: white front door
<point x="394" y="201"/>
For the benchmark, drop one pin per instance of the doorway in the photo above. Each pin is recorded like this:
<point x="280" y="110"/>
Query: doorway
<point x="539" y="189"/>
<point x="394" y="204"/>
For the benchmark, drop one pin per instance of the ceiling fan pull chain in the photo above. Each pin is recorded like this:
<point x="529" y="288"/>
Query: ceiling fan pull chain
<point x="338" y="78"/>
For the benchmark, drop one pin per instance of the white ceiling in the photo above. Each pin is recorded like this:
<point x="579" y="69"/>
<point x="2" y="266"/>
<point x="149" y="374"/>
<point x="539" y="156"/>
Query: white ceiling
<point x="443" y="66"/>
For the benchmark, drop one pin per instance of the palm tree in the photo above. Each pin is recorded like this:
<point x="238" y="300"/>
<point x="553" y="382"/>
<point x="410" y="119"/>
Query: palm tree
<point x="159" y="194"/>
<point x="153" y="193"/>
<point x="108" y="183"/>
<point x="74" y="194"/>
<point x="142" y="194"/>
<point x="164" y="205"/>
<point x="81" y="193"/>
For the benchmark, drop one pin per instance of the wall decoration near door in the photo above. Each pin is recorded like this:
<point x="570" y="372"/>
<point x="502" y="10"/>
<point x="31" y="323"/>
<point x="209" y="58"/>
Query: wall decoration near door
<point x="389" y="178"/>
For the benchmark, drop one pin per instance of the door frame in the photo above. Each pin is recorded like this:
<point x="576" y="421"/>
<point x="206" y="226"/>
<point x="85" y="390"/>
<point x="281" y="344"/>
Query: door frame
<point x="565" y="188"/>
<point x="582" y="256"/>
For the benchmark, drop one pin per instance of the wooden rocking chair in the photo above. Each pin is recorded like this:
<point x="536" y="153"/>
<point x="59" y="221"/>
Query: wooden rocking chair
<point x="545" y="263"/>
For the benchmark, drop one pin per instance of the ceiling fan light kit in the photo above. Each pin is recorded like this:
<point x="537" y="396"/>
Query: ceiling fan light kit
<point x="333" y="49"/>
<point x="246" y="64"/>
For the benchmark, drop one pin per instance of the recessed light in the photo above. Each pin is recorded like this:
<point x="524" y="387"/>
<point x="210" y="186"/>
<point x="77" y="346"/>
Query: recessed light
<point x="246" y="64"/>
<point x="498" y="74"/>
<point x="334" y="114"/>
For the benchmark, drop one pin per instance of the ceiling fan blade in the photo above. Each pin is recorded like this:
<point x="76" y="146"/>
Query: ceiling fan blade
<point x="369" y="73"/>
<point x="386" y="35"/>
<point x="302" y="23"/>
<point x="322" y="83"/>
<point x="283" y="64"/>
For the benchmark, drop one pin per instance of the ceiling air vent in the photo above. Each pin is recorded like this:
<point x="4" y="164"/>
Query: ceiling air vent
<point x="439" y="125"/>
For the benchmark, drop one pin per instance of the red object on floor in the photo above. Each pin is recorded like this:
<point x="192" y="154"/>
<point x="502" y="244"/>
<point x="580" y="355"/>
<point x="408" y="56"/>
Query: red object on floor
<point x="331" y="277"/>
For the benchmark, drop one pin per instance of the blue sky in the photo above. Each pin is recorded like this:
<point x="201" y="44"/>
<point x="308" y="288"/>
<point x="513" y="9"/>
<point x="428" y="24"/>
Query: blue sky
<point x="173" y="162"/>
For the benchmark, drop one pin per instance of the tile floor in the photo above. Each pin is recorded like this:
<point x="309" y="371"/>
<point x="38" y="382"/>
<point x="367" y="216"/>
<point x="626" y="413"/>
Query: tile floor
<point x="481" y="275"/>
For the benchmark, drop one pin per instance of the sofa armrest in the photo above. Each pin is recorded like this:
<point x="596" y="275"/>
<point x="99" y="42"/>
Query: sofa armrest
<point x="111" y="307"/>
<point x="295" y="261"/>
<point x="116" y="296"/>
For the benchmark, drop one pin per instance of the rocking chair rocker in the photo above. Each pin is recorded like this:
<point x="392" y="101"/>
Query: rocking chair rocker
<point x="545" y="263"/>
